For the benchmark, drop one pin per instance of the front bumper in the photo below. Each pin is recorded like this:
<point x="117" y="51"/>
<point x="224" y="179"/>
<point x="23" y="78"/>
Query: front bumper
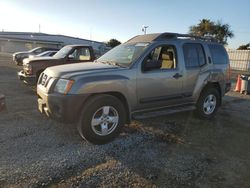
<point x="28" y="79"/>
<point x="66" y="108"/>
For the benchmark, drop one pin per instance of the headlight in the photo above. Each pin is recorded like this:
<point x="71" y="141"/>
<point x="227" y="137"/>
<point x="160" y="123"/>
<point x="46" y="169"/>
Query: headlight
<point x="27" y="68"/>
<point x="63" y="86"/>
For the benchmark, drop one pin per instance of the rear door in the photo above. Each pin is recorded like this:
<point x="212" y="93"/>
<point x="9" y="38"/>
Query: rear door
<point x="195" y="64"/>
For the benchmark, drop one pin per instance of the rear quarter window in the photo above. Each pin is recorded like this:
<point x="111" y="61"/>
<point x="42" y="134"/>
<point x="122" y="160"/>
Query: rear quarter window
<point x="194" y="55"/>
<point x="219" y="54"/>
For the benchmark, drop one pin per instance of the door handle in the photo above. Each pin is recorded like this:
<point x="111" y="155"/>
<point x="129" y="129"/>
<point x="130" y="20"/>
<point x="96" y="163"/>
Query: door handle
<point x="177" y="75"/>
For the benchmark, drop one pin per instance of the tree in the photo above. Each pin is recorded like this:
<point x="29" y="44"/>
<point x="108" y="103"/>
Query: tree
<point x="208" y="28"/>
<point x="113" y="43"/>
<point x="244" y="47"/>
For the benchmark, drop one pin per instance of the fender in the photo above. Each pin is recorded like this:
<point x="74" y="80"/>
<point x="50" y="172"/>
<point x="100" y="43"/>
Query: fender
<point x="115" y="83"/>
<point x="211" y="76"/>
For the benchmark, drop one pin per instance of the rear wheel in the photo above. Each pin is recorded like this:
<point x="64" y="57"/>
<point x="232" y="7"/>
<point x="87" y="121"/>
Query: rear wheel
<point x="208" y="103"/>
<point x="101" y="119"/>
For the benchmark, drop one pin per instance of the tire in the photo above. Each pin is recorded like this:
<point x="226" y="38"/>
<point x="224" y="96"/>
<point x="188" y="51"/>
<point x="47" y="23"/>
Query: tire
<point x="101" y="120"/>
<point x="208" y="103"/>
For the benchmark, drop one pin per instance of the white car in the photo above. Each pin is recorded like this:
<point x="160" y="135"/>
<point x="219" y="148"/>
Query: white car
<point x="44" y="54"/>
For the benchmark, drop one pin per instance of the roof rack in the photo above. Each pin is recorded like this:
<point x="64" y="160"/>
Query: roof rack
<point x="187" y="36"/>
<point x="168" y="36"/>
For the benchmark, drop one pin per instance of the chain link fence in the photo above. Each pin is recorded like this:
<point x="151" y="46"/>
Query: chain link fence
<point x="239" y="59"/>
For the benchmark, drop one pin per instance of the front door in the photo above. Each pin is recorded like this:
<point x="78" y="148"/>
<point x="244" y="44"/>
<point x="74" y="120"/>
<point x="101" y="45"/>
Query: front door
<point x="159" y="81"/>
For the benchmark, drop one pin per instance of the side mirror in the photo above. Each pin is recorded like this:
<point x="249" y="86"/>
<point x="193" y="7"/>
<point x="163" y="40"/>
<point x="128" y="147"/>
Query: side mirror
<point x="151" y="65"/>
<point x="70" y="56"/>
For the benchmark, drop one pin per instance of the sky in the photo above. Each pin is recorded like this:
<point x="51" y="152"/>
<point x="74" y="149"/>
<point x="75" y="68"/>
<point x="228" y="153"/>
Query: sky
<point x="102" y="20"/>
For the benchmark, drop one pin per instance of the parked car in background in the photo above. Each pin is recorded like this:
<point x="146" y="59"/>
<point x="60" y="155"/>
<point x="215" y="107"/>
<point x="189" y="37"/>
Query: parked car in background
<point x="149" y="75"/>
<point x="2" y="102"/>
<point x="32" y="67"/>
<point x="49" y="53"/>
<point x="19" y="56"/>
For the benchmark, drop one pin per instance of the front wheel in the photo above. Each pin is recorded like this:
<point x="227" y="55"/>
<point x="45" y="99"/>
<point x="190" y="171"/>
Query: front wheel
<point x="208" y="103"/>
<point x="101" y="119"/>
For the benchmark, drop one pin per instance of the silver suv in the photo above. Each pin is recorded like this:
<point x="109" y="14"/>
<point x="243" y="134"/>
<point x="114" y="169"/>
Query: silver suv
<point x="149" y="75"/>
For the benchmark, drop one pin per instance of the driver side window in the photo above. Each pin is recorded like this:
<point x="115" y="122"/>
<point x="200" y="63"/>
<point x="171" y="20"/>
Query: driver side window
<point x="81" y="54"/>
<point x="161" y="58"/>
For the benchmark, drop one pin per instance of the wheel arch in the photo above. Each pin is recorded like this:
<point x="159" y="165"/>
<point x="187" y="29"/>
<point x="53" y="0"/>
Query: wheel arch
<point x="119" y="96"/>
<point x="215" y="85"/>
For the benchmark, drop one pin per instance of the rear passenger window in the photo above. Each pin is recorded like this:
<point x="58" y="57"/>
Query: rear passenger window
<point x="194" y="55"/>
<point x="219" y="55"/>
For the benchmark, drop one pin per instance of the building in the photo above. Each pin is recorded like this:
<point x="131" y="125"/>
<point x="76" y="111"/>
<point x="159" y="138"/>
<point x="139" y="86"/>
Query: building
<point x="22" y="41"/>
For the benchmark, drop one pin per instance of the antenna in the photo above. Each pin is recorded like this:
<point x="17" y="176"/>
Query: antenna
<point x="90" y="33"/>
<point x="144" y="29"/>
<point x="39" y="27"/>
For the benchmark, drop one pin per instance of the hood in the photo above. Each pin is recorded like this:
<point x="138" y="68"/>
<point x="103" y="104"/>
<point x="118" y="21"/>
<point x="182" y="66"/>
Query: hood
<point x="21" y="53"/>
<point x="32" y="56"/>
<point x="77" y="68"/>
<point x="36" y="59"/>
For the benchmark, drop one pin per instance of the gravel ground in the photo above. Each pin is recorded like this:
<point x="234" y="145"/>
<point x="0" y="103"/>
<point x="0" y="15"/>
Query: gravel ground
<point x="172" y="151"/>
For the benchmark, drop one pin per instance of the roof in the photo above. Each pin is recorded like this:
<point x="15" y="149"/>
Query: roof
<point x="43" y="37"/>
<point x="76" y="45"/>
<point x="167" y="36"/>
<point x="144" y="38"/>
<point x="29" y="39"/>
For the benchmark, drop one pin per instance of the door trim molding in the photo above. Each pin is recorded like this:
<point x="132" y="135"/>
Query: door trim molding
<point x="164" y="98"/>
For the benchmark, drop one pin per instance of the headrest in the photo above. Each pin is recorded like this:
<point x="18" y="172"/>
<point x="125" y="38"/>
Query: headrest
<point x="167" y="56"/>
<point x="83" y="57"/>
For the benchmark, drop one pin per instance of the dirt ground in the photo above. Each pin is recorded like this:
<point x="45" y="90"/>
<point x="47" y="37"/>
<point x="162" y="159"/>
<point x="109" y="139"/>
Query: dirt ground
<point x="172" y="151"/>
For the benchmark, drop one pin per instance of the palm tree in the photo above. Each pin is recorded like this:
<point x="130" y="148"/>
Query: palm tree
<point x="208" y="28"/>
<point x="203" y="28"/>
<point x="244" y="47"/>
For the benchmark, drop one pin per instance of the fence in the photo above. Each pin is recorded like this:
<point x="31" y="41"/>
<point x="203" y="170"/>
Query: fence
<point x="239" y="59"/>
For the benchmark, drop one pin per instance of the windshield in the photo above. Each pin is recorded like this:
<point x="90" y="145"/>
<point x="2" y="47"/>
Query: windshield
<point x="63" y="52"/>
<point x="34" y="49"/>
<point x="43" y="53"/>
<point x="123" y="54"/>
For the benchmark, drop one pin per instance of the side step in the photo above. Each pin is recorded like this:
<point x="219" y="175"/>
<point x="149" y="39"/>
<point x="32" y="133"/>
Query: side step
<point x="162" y="112"/>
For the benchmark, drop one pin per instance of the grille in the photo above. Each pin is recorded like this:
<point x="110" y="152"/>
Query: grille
<point x="44" y="79"/>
